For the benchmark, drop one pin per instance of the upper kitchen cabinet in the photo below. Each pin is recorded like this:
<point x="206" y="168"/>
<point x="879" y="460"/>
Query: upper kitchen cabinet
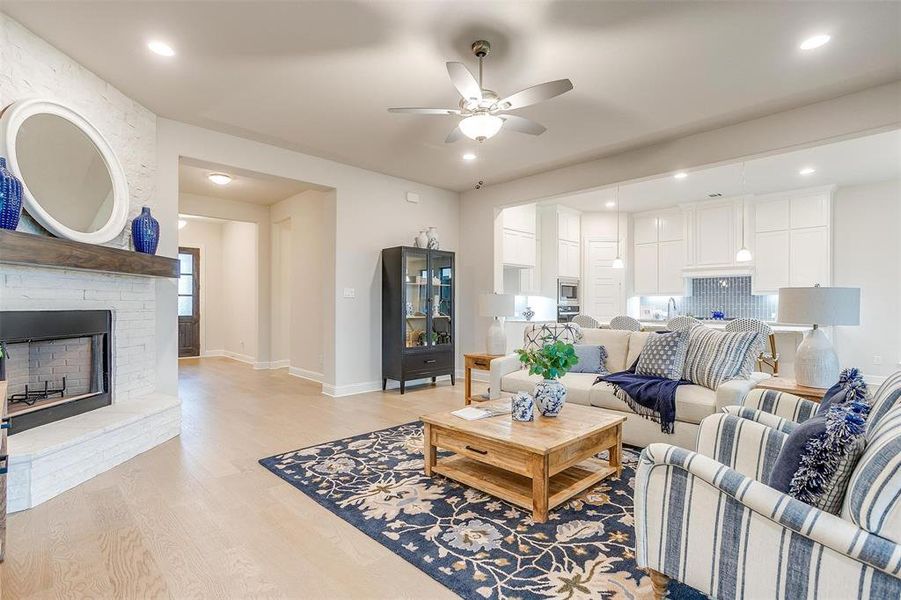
<point x="569" y="226"/>
<point x="659" y="252"/>
<point x="519" y="236"/>
<point x="560" y="246"/>
<point x="713" y="230"/>
<point x="792" y="240"/>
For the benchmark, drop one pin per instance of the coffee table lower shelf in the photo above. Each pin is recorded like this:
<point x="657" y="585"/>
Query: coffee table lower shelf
<point x="518" y="489"/>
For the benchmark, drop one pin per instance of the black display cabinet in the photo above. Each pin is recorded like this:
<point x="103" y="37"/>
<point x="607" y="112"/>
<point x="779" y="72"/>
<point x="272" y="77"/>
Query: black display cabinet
<point x="417" y="314"/>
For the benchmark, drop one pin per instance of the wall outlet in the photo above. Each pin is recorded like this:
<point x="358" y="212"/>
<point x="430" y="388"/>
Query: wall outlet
<point x="349" y="293"/>
<point x="877" y="360"/>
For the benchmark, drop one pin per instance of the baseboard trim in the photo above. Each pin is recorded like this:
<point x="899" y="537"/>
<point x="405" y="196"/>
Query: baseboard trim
<point x="280" y="364"/>
<point x="369" y="386"/>
<point x="477" y="375"/>
<point x="306" y="374"/>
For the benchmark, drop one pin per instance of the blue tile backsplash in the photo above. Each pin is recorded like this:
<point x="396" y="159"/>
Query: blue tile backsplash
<point x="732" y="295"/>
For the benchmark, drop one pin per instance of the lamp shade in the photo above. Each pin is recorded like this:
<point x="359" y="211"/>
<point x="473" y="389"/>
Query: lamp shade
<point x="819" y="305"/>
<point x="497" y="305"/>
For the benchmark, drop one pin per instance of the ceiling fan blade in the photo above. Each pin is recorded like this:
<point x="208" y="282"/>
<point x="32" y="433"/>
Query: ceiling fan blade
<point x="454" y="135"/>
<point x="425" y="111"/>
<point x="523" y="125"/>
<point x="535" y="94"/>
<point x="464" y="81"/>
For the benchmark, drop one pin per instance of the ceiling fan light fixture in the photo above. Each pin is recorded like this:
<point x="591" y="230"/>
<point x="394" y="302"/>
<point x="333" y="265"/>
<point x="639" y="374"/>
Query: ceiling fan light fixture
<point x="481" y="127"/>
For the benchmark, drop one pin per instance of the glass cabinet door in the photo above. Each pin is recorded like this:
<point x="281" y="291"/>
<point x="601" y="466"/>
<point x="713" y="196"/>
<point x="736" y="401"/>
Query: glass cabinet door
<point x="416" y="298"/>
<point x="442" y="299"/>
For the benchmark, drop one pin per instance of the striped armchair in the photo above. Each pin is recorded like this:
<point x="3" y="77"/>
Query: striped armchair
<point x="705" y="518"/>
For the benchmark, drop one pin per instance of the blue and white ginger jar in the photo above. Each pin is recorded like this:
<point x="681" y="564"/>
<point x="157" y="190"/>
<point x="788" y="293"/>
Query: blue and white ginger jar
<point x="523" y="407"/>
<point x="550" y="396"/>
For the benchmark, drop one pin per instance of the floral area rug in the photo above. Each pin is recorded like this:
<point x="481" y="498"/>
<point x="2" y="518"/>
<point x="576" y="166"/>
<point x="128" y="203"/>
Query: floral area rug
<point x="473" y="543"/>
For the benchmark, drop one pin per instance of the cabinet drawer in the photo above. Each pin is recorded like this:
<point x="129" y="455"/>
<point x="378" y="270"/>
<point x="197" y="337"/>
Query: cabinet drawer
<point x="485" y="451"/>
<point x="426" y="362"/>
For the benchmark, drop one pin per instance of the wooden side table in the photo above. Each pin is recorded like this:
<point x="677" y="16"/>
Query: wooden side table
<point x="784" y="384"/>
<point x="478" y="361"/>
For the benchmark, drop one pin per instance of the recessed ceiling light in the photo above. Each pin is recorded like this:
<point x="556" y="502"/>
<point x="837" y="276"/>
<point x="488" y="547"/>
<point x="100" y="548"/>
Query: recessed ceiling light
<point x="610" y="204"/>
<point x="469" y="156"/>
<point x="807" y="171"/>
<point x="220" y="178"/>
<point x="182" y="223"/>
<point x="815" y="41"/>
<point x="681" y="175"/>
<point x="161" y="48"/>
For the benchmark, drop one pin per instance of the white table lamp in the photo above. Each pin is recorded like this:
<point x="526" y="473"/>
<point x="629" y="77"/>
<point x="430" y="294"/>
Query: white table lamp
<point x="497" y="305"/>
<point x="816" y="363"/>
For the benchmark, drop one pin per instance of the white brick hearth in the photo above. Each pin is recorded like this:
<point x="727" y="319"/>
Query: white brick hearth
<point x="47" y="460"/>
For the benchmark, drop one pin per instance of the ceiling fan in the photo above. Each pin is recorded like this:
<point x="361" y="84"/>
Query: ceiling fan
<point x="483" y="112"/>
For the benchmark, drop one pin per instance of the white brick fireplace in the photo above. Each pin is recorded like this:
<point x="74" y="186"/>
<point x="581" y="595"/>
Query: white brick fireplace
<point x="51" y="458"/>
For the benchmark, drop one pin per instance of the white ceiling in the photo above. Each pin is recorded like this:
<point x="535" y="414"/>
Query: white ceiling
<point x="857" y="161"/>
<point x="245" y="186"/>
<point x="318" y="76"/>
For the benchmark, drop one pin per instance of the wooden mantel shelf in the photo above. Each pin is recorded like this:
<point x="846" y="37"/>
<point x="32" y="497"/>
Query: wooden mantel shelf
<point x="30" y="249"/>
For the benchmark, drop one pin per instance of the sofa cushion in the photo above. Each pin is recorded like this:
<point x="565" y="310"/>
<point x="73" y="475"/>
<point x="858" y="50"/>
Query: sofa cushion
<point x="693" y="402"/>
<point x="663" y="355"/>
<point x="818" y="457"/>
<point x="636" y="344"/>
<point x="614" y="341"/>
<point x="578" y="385"/>
<point x="536" y="336"/>
<point x="592" y="359"/>
<point x="716" y="356"/>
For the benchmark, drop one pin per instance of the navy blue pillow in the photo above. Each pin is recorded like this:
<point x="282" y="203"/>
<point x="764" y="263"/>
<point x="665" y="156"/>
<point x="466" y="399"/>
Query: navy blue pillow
<point x="789" y="458"/>
<point x="835" y="394"/>
<point x="850" y="387"/>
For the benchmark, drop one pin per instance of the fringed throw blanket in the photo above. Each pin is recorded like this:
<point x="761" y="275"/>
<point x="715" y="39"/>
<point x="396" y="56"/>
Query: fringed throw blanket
<point x="651" y="397"/>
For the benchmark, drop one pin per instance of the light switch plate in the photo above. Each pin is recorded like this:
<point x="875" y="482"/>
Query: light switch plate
<point x="349" y="293"/>
<point x="413" y="197"/>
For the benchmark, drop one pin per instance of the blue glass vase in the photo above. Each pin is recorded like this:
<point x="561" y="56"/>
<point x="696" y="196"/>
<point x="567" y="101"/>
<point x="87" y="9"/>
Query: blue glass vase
<point x="10" y="198"/>
<point x="145" y="232"/>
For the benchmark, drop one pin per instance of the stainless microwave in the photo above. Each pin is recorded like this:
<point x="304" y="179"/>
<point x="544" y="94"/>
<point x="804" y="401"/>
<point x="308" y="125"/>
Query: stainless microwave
<point x="567" y="291"/>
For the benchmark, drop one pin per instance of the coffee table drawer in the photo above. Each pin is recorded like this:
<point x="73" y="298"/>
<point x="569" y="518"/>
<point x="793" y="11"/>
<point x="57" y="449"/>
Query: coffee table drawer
<point x="482" y="450"/>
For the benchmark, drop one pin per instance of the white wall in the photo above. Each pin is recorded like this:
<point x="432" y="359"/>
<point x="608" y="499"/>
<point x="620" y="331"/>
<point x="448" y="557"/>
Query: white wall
<point x="207" y="237"/>
<point x="847" y="116"/>
<point x="305" y="244"/>
<point x="371" y="213"/>
<point x="867" y="254"/>
<point x="240" y="301"/>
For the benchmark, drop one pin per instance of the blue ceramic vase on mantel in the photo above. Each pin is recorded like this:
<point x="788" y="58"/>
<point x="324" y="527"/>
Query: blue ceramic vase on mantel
<point x="145" y="232"/>
<point x="10" y="198"/>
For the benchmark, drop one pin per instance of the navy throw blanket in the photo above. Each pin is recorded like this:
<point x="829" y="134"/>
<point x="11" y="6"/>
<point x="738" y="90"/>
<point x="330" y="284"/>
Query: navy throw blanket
<point x="651" y="397"/>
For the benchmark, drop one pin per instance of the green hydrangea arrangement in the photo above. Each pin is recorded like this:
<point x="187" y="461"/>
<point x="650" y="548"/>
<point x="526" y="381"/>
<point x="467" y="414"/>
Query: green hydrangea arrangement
<point x="551" y="361"/>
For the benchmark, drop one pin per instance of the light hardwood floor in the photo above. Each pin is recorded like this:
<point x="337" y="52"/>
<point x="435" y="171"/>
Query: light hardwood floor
<point x="198" y="518"/>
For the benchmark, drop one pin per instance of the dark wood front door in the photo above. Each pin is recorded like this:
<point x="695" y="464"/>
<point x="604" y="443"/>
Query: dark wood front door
<point x="189" y="302"/>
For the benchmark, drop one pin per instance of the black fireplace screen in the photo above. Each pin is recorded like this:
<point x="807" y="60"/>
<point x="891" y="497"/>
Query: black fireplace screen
<point x="56" y="364"/>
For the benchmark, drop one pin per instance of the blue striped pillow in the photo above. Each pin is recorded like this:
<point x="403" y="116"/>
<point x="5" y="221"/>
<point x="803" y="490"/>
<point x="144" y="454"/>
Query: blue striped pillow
<point x="714" y="356"/>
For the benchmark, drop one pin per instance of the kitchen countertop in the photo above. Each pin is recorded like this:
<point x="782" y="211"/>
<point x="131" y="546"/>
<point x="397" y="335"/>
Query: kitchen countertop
<point x="717" y="324"/>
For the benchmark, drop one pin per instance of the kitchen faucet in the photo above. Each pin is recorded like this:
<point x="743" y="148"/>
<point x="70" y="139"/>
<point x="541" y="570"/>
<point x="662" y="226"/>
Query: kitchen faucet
<point x="671" y="302"/>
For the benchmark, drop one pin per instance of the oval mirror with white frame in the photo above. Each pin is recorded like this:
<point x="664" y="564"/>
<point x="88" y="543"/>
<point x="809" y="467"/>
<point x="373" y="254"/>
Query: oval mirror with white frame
<point x="72" y="182"/>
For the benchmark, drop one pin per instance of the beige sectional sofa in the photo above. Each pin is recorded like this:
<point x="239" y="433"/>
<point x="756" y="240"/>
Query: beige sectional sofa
<point x="693" y="402"/>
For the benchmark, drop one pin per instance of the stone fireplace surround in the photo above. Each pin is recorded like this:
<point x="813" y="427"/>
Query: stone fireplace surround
<point x="52" y="458"/>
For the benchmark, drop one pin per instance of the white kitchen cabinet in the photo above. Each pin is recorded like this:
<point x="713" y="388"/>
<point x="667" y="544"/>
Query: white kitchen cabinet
<point x="568" y="259"/>
<point x="659" y="252"/>
<point x="792" y="241"/>
<point x="569" y="226"/>
<point x="771" y="250"/>
<point x="520" y="218"/>
<point x="644" y="228"/>
<point x="714" y="235"/>
<point x="670" y="226"/>
<point x="519" y="248"/>
<point x="809" y="262"/>
<point x="670" y="262"/>
<point x="645" y="271"/>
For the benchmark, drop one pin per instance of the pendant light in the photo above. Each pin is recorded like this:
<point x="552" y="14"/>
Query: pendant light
<point x="617" y="262"/>
<point x="743" y="255"/>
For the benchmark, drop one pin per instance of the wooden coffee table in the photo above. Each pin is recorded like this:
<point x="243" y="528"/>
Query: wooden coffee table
<point x="536" y="465"/>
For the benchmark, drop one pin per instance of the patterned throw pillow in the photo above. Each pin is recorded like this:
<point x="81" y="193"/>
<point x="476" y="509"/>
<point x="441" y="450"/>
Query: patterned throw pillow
<point x="850" y="387"/>
<point x="663" y="355"/>
<point x="536" y="336"/>
<point x="714" y="356"/>
<point x="592" y="359"/>
<point x="818" y="458"/>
